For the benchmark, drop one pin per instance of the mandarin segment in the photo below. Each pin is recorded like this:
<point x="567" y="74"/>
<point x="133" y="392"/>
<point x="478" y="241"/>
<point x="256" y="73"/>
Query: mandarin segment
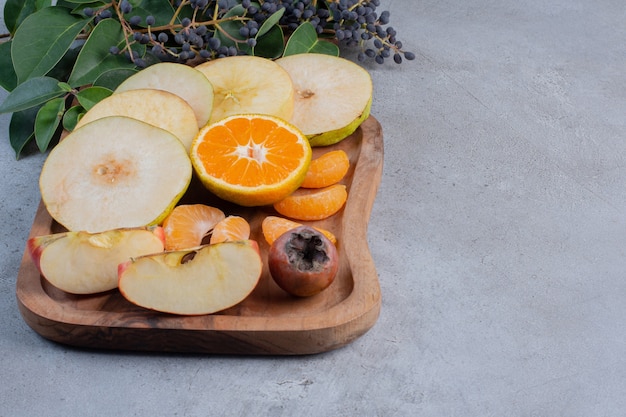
<point x="188" y="224"/>
<point x="328" y="169"/>
<point x="252" y="159"/>
<point x="313" y="204"/>
<point x="231" y="229"/>
<point x="274" y="226"/>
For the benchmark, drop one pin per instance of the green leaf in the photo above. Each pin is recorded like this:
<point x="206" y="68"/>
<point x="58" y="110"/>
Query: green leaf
<point x="22" y="129"/>
<point x="71" y="117"/>
<point x="304" y="40"/>
<point x="8" y="79"/>
<point x="90" y="96"/>
<point x="47" y="122"/>
<point x="42" y="40"/>
<point x="31" y="93"/>
<point x="94" y="58"/>
<point x="15" y="11"/>
<point x="270" y="22"/>
<point x="270" y="45"/>
<point x="113" y="78"/>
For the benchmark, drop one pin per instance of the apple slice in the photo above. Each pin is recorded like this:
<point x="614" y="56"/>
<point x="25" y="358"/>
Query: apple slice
<point x="113" y="173"/>
<point x="333" y="96"/>
<point x="248" y="84"/>
<point x="156" y="107"/>
<point x="184" y="81"/>
<point x="86" y="263"/>
<point x="193" y="282"/>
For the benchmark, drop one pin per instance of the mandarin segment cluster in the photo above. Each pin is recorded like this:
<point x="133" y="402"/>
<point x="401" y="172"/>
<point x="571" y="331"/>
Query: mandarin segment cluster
<point x="244" y="138"/>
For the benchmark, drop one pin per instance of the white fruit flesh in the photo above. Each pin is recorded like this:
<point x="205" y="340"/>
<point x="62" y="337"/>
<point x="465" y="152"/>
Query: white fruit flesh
<point x="248" y="84"/>
<point x="84" y="263"/>
<point x="184" y="81"/>
<point x="115" y="172"/>
<point x="332" y="96"/>
<point x="156" y="107"/>
<point x="217" y="277"/>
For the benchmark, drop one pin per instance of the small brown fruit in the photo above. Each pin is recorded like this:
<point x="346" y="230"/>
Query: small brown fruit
<point x="303" y="261"/>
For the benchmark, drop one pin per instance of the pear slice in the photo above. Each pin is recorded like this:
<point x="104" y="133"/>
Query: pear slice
<point x="248" y="84"/>
<point x="86" y="263"/>
<point x="112" y="173"/>
<point x="184" y="81"/>
<point x="204" y="280"/>
<point x="333" y="96"/>
<point x="156" y="107"/>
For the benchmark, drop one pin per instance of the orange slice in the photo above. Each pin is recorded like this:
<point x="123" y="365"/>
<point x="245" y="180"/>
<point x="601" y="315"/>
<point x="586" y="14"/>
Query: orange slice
<point x="188" y="224"/>
<point x="313" y="204"/>
<point x="327" y="170"/>
<point x="251" y="159"/>
<point x="231" y="229"/>
<point x="274" y="226"/>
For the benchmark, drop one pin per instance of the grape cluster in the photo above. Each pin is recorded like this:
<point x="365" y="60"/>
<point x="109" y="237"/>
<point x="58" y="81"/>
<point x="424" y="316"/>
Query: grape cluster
<point x="353" y="23"/>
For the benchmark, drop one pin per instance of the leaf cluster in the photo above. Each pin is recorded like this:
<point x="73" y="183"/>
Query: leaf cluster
<point x="60" y="59"/>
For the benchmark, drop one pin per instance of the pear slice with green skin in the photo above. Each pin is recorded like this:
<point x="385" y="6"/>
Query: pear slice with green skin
<point x="86" y="263"/>
<point x="248" y="84"/>
<point x="115" y="172"/>
<point x="333" y="96"/>
<point x="202" y="280"/>
<point x="156" y="107"/>
<point x="184" y="81"/>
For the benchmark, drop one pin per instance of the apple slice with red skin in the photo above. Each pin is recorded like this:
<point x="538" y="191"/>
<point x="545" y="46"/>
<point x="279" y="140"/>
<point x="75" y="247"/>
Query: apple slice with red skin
<point x="79" y="262"/>
<point x="198" y="281"/>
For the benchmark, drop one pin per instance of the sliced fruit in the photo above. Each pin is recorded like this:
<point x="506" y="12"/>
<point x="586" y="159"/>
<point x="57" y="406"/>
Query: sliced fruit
<point x="251" y="160"/>
<point x="248" y="84"/>
<point x="273" y="227"/>
<point x="113" y="173"/>
<point x="156" y="107"/>
<point x="313" y="204"/>
<point x="202" y="281"/>
<point x="184" y="81"/>
<point x="327" y="170"/>
<point x="231" y="229"/>
<point x="188" y="224"/>
<point x="333" y="96"/>
<point x="86" y="263"/>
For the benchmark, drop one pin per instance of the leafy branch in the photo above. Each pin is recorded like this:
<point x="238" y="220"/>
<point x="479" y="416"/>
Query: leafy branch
<point x="57" y="61"/>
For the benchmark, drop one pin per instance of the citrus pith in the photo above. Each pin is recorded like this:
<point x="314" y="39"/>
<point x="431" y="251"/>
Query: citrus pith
<point x="251" y="159"/>
<point x="231" y="229"/>
<point x="188" y="224"/>
<point x="274" y="226"/>
<point x="328" y="169"/>
<point x="313" y="204"/>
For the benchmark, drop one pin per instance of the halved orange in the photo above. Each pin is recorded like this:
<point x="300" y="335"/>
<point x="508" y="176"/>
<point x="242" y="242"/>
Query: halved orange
<point x="274" y="226"/>
<point x="327" y="169"/>
<point x="313" y="204"/>
<point x="231" y="229"/>
<point x="188" y="224"/>
<point x="251" y="159"/>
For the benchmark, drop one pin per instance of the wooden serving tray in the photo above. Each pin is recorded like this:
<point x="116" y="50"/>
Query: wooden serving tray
<point x="268" y="322"/>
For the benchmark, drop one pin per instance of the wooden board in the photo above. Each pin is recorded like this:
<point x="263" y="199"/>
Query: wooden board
<point x="268" y="322"/>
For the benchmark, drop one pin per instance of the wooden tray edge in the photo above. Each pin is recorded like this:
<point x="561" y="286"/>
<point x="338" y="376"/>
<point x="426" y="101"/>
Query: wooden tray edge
<point x="344" y="328"/>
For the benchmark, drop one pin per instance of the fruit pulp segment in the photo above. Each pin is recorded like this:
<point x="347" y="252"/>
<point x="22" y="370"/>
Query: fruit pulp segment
<point x="250" y="152"/>
<point x="313" y="204"/>
<point x="188" y="224"/>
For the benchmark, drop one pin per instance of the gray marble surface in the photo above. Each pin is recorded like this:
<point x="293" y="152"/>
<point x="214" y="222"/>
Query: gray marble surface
<point x="499" y="236"/>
